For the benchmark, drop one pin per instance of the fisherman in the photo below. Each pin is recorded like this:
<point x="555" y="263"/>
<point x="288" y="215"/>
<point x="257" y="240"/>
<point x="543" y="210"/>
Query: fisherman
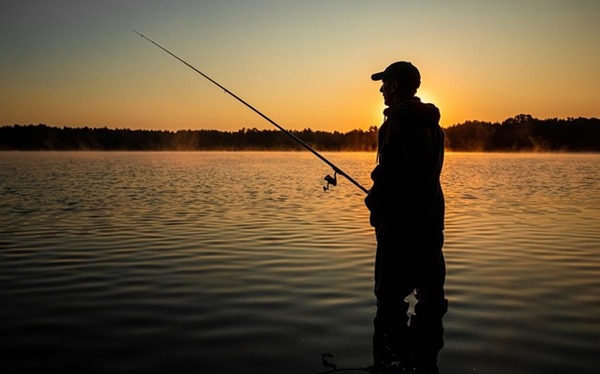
<point x="406" y="203"/>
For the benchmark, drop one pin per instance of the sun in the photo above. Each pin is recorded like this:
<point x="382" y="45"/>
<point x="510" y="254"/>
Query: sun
<point x="426" y="97"/>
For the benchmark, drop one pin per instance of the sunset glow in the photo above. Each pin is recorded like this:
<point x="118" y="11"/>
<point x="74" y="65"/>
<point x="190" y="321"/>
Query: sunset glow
<point x="305" y="64"/>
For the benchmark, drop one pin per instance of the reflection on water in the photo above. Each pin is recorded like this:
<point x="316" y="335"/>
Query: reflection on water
<point x="239" y="262"/>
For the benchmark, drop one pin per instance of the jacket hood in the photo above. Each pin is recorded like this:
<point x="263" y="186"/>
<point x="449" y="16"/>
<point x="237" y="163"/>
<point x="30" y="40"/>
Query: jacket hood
<point x="429" y="113"/>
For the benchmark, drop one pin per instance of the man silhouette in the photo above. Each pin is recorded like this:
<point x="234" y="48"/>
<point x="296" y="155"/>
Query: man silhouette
<point x="407" y="211"/>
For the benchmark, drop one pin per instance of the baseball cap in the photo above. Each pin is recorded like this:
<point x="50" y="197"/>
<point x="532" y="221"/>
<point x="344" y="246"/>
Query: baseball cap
<point x="400" y="70"/>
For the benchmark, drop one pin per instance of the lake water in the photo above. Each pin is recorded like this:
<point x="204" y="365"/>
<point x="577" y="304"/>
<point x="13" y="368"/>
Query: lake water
<point x="241" y="263"/>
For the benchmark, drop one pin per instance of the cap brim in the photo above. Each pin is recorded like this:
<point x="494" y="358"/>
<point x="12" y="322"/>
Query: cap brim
<point x="377" y="76"/>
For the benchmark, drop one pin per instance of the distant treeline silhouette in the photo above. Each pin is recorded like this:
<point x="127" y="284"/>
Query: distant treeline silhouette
<point x="43" y="137"/>
<point x="524" y="133"/>
<point x="517" y="134"/>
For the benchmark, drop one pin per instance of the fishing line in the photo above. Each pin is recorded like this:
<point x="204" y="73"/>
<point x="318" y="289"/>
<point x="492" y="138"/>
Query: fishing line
<point x="329" y="179"/>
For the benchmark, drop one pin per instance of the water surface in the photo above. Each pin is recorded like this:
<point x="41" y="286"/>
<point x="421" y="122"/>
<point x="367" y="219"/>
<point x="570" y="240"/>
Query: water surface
<point x="240" y="263"/>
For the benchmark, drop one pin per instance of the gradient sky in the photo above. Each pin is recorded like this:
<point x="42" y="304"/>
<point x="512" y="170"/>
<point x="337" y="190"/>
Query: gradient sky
<point x="303" y="63"/>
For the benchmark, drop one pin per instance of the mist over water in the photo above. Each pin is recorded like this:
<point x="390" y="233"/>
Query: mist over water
<point x="240" y="263"/>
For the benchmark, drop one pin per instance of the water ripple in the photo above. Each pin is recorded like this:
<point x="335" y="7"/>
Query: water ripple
<point x="221" y="262"/>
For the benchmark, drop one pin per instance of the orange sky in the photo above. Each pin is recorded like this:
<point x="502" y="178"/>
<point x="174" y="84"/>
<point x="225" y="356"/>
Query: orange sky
<point x="304" y="64"/>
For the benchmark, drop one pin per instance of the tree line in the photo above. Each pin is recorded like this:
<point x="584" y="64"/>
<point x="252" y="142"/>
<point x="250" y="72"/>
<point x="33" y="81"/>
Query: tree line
<point x="43" y="137"/>
<point x="524" y="133"/>
<point x="516" y="134"/>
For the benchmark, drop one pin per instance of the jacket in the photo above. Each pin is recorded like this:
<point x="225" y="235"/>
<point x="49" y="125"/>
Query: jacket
<point x="406" y="181"/>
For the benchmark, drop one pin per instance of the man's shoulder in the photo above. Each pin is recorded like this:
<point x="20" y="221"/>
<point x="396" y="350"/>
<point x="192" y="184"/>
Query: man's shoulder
<point x="415" y="112"/>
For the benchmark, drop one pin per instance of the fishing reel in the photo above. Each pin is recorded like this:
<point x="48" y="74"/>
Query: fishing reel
<point x="330" y="181"/>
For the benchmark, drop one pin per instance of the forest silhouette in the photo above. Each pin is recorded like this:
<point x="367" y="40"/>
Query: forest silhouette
<point x="522" y="133"/>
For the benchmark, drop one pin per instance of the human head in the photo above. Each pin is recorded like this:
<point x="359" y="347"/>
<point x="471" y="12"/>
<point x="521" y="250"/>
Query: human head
<point x="401" y="78"/>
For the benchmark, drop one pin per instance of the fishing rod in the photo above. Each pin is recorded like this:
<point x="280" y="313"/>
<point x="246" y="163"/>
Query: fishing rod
<point x="330" y="180"/>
